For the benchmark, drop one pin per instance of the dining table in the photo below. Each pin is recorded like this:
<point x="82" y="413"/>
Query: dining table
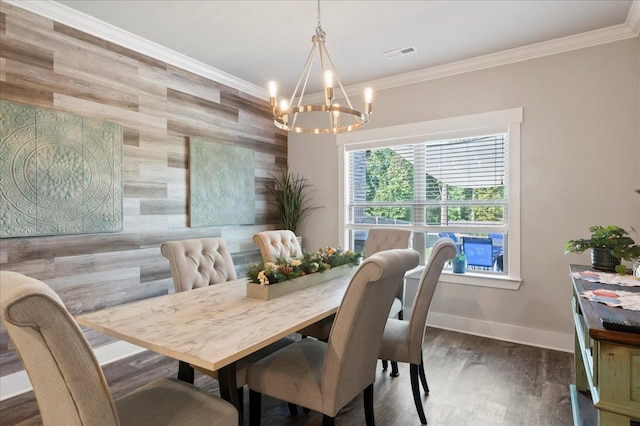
<point x="213" y="327"/>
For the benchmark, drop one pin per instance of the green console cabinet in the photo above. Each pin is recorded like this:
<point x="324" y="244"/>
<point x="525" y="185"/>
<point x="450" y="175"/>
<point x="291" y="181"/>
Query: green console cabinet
<point x="607" y="363"/>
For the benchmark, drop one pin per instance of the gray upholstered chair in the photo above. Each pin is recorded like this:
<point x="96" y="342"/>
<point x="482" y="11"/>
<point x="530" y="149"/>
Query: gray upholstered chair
<point x="380" y="239"/>
<point x="67" y="380"/>
<point x="277" y="243"/>
<point x="402" y="340"/>
<point x="285" y="243"/>
<point x="198" y="263"/>
<point x="326" y="376"/>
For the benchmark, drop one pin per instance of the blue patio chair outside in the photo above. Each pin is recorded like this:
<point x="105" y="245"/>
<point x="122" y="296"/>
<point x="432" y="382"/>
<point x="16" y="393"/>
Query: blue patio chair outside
<point x="453" y="237"/>
<point x="497" y="249"/>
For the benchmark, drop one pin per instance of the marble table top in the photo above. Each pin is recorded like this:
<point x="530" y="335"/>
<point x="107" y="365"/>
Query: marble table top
<point x="214" y="326"/>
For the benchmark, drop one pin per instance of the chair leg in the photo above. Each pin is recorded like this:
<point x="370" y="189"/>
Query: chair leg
<point x="328" y="421"/>
<point x="241" y="399"/>
<point x="293" y="409"/>
<point x="415" y="388"/>
<point x="394" y="369"/>
<point x="394" y="365"/>
<point x="255" y="403"/>
<point x="368" y="405"/>
<point x="423" y="377"/>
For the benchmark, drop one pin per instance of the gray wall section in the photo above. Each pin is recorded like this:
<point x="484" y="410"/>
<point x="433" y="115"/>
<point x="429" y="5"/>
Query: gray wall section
<point x="580" y="162"/>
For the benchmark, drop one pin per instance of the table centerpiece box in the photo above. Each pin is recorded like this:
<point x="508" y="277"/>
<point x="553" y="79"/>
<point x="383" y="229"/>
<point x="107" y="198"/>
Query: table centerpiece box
<point x="286" y="275"/>
<point x="268" y="292"/>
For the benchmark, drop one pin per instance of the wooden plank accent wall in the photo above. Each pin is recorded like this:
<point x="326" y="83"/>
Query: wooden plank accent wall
<point x="49" y="65"/>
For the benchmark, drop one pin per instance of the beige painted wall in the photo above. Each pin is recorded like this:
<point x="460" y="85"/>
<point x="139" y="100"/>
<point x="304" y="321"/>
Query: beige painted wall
<point x="579" y="167"/>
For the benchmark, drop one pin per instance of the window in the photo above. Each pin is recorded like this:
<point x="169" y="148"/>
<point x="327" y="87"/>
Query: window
<point x="456" y="177"/>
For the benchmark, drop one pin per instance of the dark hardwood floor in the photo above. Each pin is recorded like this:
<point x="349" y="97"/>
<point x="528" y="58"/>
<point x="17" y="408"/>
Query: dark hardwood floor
<point x="473" y="380"/>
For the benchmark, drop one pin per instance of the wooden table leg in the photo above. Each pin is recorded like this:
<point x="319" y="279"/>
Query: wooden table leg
<point x="229" y="387"/>
<point x="185" y="372"/>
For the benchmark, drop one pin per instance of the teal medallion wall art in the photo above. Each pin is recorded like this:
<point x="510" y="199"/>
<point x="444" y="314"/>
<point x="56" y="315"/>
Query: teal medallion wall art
<point x="59" y="173"/>
<point x="222" y="184"/>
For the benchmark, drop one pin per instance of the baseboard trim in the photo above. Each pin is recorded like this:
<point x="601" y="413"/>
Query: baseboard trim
<point x="18" y="383"/>
<point x="510" y="333"/>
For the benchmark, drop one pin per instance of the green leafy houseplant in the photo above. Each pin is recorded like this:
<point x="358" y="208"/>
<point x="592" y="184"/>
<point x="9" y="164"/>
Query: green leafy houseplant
<point x="615" y="240"/>
<point x="291" y="197"/>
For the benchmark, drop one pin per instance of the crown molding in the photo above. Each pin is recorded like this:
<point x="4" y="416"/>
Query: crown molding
<point x="90" y="25"/>
<point x="510" y="56"/>
<point x="83" y="22"/>
<point x="633" y="18"/>
<point x="630" y="29"/>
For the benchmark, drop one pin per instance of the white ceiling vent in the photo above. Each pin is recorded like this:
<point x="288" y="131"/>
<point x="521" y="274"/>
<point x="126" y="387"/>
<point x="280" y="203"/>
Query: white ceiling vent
<point x="400" y="52"/>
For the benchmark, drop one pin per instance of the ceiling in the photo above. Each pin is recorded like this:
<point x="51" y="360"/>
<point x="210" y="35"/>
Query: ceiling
<point x="258" y="41"/>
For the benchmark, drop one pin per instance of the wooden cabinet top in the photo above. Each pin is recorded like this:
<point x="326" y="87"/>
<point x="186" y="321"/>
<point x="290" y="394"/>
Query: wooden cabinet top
<point x="592" y="312"/>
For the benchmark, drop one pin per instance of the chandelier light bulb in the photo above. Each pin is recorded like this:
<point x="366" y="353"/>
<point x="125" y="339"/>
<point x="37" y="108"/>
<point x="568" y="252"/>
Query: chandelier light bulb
<point x="368" y="95"/>
<point x="284" y="105"/>
<point x="273" y="89"/>
<point x="335" y="112"/>
<point x="368" y="98"/>
<point x="335" y="117"/>
<point x="328" y="78"/>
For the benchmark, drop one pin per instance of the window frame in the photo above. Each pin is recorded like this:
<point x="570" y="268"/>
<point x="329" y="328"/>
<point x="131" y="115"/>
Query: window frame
<point x="502" y="121"/>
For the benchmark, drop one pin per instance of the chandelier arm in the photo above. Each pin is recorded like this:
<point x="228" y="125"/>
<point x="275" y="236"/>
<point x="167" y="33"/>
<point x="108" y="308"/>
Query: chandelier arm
<point x="322" y="48"/>
<point x="305" y="72"/>
<point x="337" y="77"/>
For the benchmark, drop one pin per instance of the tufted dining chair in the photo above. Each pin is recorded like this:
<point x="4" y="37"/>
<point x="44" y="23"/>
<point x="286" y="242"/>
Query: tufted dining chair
<point x="277" y="243"/>
<point x="326" y="376"/>
<point x="199" y="263"/>
<point x="67" y="380"/>
<point x="380" y="239"/>
<point x="285" y="243"/>
<point x="402" y="340"/>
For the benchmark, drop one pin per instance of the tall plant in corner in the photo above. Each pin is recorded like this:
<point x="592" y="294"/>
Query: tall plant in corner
<point x="292" y="198"/>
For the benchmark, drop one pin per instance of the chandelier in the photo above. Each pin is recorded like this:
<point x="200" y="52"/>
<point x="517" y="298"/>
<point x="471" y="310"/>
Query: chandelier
<point x="339" y="118"/>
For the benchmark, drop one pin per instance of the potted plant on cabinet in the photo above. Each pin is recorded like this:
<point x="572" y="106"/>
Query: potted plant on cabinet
<point x="291" y="198"/>
<point x="609" y="246"/>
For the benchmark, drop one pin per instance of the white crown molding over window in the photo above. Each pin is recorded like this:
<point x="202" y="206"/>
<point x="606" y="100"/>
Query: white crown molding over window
<point x="78" y="20"/>
<point x="90" y="25"/>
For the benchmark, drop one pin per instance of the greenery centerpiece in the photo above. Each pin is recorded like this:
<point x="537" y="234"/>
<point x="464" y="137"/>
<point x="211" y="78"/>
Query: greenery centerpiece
<point x="291" y="197"/>
<point x="283" y="268"/>
<point x="611" y="240"/>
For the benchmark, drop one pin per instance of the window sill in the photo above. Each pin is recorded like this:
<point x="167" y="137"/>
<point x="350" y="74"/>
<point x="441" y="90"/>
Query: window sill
<point x="470" y="278"/>
<point x="481" y="280"/>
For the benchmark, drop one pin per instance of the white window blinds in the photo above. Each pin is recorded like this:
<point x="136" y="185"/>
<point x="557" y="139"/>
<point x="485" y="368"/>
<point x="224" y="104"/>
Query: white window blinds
<point x="457" y="182"/>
